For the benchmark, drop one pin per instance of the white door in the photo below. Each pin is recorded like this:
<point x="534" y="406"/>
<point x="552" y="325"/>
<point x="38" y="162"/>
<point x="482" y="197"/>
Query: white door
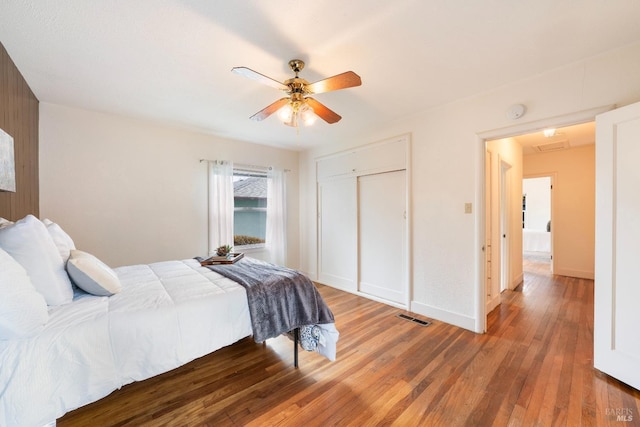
<point x="617" y="270"/>
<point x="382" y="236"/>
<point x="337" y="239"/>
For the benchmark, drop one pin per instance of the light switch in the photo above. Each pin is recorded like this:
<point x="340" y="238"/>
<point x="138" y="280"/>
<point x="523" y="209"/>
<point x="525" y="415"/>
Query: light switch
<point x="467" y="208"/>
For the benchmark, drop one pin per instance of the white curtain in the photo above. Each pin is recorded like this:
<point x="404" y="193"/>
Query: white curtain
<point x="276" y="216"/>
<point x="220" y="204"/>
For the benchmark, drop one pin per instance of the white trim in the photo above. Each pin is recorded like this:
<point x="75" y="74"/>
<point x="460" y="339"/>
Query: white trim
<point x="581" y="274"/>
<point x="480" y="299"/>
<point x="408" y="222"/>
<point x="404" y="137"/>
<point x="583" y="116"/>
<point x="382" y="300"/>
<point x="517" y="281"/>
<point x="364" y="295"/>
<point x="493" y="303"/>
<point x="455" y="319"/>
<point x="251" y="248"/>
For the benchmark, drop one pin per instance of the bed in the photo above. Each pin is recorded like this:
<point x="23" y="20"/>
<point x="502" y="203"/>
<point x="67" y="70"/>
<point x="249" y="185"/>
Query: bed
<point x="536" y="240"/>
<point x="164" y="315"/>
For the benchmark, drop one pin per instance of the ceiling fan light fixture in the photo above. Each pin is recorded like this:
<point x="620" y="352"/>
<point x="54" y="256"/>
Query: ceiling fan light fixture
<point x="307" y="115"/>
<point x="286" y="113"/>
<point x="298" y="102"/>
<point x="297" y="112"/>
<point x="293" y="120"/>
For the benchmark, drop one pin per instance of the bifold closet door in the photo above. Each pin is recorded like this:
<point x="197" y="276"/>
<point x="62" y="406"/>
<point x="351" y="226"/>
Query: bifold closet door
<point x="382" y="236"/>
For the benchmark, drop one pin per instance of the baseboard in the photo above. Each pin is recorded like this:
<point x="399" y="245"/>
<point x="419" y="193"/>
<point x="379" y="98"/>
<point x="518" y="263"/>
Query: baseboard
<point x="574" y="273"/>
<point x="311" y="276"/>
<point x="492" y="304"/>
<point x="450" y="317"/>
<point x="519" y="279"/>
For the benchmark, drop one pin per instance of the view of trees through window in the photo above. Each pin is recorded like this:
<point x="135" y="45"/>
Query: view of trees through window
<point x="250" y="208"/>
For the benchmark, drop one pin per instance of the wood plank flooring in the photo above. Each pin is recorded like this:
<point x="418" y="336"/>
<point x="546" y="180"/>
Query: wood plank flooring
<point x="533" y="367"/>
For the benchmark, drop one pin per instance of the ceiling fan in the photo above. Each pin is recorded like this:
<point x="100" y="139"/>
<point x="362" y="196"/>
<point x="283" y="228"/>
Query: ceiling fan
<point x="298" y="103"/>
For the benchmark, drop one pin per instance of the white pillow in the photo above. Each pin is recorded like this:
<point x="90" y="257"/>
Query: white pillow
<point x="63" y="241"/>
<point x="5" y="223"/>
<point x="29" y="243"/>
<point x="23" y="311"/>
<point x="92" y="275"/>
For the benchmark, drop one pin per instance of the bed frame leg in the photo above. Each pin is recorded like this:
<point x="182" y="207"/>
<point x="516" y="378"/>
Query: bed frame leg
<point x="296" y="336"/>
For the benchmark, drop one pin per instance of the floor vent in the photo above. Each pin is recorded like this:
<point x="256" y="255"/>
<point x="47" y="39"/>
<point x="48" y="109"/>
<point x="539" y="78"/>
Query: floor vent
<point x="413" y="319"/>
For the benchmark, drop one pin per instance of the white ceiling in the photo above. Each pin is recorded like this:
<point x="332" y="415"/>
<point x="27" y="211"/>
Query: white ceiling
<point x="170" y="60"/>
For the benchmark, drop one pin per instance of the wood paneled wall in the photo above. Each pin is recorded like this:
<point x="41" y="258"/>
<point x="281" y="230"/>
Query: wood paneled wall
<point x="19" y="118"/>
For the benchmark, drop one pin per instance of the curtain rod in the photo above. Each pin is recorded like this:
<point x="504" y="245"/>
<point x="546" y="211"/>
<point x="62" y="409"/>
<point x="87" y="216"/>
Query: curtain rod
<point x="242" y="165"/>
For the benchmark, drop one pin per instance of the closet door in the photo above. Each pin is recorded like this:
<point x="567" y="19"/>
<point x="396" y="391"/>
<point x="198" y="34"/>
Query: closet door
<point x="337" y="238"/>
<point x="382" y="236"/>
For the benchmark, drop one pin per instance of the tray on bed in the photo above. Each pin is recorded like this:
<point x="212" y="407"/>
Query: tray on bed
<point x="217" y="260"/>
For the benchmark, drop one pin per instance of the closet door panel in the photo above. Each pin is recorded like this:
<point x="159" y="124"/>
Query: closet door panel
<point x="382" y="236"/>
<point x="337" y="252"/>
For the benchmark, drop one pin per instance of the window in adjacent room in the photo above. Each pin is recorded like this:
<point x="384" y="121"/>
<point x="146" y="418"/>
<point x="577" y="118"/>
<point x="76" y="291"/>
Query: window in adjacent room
<point x="250" y="208"/>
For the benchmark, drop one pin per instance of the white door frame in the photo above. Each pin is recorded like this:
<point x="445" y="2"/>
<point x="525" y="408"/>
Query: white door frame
<point x="482" y="138"/>
<point x="489" y="258"/>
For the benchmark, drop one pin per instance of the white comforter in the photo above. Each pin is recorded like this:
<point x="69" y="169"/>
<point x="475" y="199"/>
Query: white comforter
<point x="166" y="315"/>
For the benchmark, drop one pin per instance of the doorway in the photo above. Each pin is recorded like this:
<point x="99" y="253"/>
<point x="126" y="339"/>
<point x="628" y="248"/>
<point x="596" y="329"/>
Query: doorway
<point x="523" y="135"/>
<point x="536" y="222"/>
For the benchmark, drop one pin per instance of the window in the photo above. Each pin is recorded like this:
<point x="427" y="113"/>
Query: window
<point x="249" y="208"/>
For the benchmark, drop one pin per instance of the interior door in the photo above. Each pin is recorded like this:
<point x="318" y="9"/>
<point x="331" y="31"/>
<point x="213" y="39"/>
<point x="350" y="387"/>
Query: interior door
<point x="382" y="236"/>
<point x="617" y="270"/>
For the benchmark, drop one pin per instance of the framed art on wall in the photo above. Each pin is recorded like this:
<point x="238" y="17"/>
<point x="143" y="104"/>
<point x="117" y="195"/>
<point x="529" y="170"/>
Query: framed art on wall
<point x="7" y="163"/>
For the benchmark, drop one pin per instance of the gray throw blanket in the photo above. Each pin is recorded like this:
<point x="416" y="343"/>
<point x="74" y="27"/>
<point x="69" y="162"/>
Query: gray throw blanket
<point x="280" y="299"/>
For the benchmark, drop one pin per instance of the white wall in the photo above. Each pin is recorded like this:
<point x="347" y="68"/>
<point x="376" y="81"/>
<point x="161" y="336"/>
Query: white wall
<point x="573" y="207"/>
<point x="448" y="168"/>
<point x="133" y="191"/>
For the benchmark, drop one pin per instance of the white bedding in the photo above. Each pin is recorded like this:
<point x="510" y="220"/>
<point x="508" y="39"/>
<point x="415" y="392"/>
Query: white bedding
<point x="166" y="315"/>
<point x="536" y="241"/>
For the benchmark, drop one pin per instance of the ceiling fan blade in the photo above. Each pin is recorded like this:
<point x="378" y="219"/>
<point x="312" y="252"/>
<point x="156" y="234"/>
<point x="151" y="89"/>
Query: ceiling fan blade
<point x="254" y="75"/>
<point x="270" y="109"/>
<point x="340" y="81"/>
<point x="323" y="112"/>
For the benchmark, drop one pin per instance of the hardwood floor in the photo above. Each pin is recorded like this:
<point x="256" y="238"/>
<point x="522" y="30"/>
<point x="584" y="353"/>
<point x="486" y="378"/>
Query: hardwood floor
<point x="533" y="367"/>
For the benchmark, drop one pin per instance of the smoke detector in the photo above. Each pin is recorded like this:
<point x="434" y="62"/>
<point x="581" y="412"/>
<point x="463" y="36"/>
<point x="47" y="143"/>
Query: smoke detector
<point x="515" y="111"/>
